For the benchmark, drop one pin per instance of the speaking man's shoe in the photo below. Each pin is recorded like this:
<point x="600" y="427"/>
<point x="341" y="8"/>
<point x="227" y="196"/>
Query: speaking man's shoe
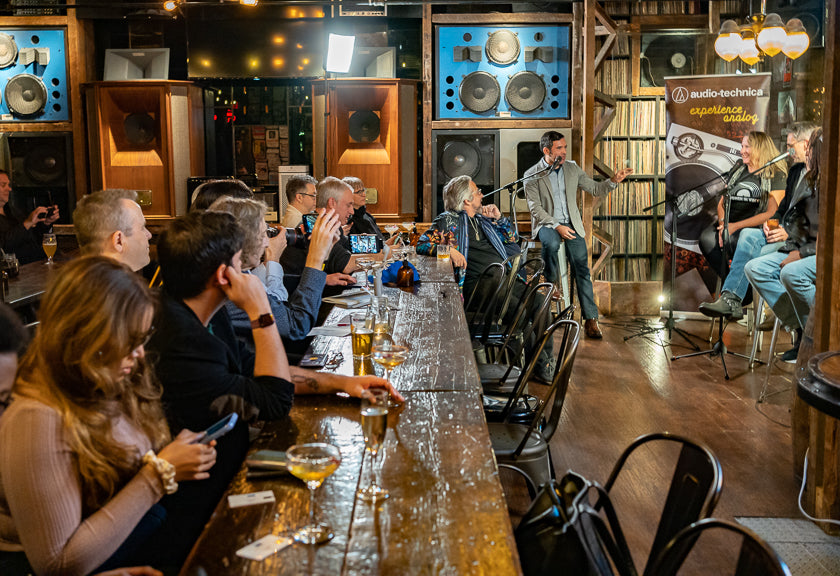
<point x="590" y="326"/>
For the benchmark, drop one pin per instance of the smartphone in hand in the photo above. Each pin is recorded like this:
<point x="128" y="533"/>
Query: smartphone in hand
<point x="219" y="429"/>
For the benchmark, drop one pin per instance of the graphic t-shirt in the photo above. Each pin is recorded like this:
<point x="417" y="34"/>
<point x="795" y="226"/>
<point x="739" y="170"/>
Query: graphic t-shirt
<point x="748" y="198"/>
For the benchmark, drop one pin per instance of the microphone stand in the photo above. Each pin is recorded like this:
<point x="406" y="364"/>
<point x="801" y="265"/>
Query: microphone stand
<point x="670" y="322"/>
<point x="512" y="189"/>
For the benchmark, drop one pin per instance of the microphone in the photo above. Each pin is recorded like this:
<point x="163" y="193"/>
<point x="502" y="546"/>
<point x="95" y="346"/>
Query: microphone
<point x="781" y="156"/>
<point x="557" y="162"/>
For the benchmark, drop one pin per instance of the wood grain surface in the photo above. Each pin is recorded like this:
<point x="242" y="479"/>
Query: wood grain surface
<point x="447" y="513"/>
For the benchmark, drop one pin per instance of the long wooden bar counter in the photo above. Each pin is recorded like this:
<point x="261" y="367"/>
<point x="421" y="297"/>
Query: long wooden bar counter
<point x="446" y="513"/>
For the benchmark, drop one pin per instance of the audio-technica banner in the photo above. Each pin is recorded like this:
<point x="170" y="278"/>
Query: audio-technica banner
<point x="707" y="116"/>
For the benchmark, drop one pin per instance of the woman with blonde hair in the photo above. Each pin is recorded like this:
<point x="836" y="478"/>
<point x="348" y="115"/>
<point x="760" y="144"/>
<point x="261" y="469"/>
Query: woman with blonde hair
<point x="80" y="479"/>
<point x="753" y="197"/>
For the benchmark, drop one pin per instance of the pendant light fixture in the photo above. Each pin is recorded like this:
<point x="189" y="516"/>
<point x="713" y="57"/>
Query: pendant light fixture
<point x="763" y="34"/>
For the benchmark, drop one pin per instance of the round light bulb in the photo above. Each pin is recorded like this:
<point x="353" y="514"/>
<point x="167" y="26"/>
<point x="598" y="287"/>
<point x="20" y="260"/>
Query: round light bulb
<point x="749" y="51"/>
<point x="728" y="43"/>
<point x="797" y="40"/>
<point x="772" y="37"/>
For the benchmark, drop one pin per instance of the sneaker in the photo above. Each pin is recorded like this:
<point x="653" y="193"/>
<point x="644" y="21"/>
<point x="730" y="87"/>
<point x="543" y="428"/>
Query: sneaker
<point x="790" y="355"/>
<point x="544" y="372"/>
<point x="728" y="305"/>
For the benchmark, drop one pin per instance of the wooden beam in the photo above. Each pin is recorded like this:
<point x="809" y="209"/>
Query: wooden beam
<point x="515" y="18"/>
<point x="428" y="112"/>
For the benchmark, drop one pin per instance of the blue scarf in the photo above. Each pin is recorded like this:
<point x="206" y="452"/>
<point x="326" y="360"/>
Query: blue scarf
<point x="463" y="235"/>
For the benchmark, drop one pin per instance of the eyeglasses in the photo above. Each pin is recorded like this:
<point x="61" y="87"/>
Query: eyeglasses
<point x="272" y="232"/>
<point x="362" y="192"/>
<point x="308" y="194"/>
<point x="142" y="340"/>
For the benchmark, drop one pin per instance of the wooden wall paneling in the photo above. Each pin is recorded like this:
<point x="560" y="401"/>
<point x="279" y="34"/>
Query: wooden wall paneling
<point x="823" y="493"/>
<point x="428" y="112"/>
<point x="577" y="81"/>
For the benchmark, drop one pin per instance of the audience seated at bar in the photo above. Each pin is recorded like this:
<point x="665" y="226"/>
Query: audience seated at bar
<point x="80" y="484"/>
<point x="209" y="192"/>
<point x="301" y="194"/>
<point x="13" y="338"/>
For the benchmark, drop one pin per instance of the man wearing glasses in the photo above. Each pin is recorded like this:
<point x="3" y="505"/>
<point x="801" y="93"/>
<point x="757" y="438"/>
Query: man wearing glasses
<point x="300" y="192"/>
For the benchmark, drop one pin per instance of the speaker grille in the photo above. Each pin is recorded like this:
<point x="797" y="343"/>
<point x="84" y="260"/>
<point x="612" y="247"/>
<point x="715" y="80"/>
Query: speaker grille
<point x="525" y="91"/>
<point x="479" y="92"/>
<point x="502" y="47"/>
<point x="363" y="126"/>
<point x="25" y="95"/>
<point x="45" y="164"/>
<point x="8" y="50"/>
<point x="459" y="158"/>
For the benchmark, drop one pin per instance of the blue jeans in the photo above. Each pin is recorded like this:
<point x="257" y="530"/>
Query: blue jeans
<point x="577" y="256"/>
<point x="789" y="291"/>
<point x="751" y="244"/>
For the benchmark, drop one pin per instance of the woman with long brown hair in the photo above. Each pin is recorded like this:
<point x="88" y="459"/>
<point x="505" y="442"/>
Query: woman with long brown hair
<point x="78" y="470"/>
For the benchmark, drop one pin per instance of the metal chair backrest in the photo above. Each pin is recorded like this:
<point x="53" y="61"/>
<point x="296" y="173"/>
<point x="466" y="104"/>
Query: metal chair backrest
<point x="755" y="557"/>
<point x="600" y="532"/>
<point x="530" y="317"/>
<point x="485" y="293"/>
<point x="546" y="422"/>
<point x="529" y="272"/>
<point x="693" y="493"/>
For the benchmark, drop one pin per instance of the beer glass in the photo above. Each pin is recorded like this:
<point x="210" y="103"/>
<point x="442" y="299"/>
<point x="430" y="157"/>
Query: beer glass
<point x="49" y="244"/>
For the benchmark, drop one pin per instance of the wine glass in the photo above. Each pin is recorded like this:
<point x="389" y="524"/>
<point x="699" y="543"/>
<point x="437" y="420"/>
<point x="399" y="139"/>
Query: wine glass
<point x="365" y="264"/>
<point x="374" y="426"/>
<point x="389" y="356"/>
<point x="312" y="463"/>
<point x="49" y="244"/>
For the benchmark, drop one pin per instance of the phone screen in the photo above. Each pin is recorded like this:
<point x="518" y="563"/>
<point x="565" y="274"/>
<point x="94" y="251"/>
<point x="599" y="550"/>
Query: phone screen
<point x="309" y="222"/>
<point x="220" y="428"/>
<point x="363" y="244"/>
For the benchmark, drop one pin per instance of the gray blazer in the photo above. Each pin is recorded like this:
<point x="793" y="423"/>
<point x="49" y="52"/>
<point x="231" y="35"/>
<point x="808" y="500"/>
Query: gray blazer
<point x="541" y="200"/>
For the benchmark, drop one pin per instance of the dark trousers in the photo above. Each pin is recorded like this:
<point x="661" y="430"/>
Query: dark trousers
<point x="578" y="261"/>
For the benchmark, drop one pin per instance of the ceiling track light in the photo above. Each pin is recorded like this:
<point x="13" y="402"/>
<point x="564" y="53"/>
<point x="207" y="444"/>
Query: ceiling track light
<point x="764" y="34"/>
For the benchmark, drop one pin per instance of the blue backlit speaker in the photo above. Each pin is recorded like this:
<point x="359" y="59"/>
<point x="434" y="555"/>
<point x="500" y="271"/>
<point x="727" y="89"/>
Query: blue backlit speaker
<point x="33" y="75"/>
<point x="502" y="72"/>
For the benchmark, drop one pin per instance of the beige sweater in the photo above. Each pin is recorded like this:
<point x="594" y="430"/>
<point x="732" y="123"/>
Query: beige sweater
<point x="41" y="499"/>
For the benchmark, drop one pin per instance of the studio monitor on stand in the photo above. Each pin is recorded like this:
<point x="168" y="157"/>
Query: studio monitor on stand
<point x="474" y="153"/>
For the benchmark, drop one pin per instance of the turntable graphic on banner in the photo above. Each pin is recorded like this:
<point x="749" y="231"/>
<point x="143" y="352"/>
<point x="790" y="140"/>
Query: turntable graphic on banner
<point x="707" y="116"/>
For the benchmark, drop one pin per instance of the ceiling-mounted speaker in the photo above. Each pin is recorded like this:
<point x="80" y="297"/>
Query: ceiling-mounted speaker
<point x="530" y="65"/>
<point x="33" y="75"/>
<point x="363" y="126"/>
<point x="473" y="153"/>
<point x="146" y="135"/>
<point x="502" y="47"/>
<point x="479" y="92"/>
<point x="525" y="91"/>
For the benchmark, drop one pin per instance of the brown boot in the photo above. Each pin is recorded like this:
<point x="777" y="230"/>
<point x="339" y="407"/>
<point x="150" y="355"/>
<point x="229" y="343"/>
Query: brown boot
<point x="590" y="326"/>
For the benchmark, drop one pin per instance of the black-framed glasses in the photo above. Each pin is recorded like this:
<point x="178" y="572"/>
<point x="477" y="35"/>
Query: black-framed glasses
<point x="308" y="194"/>
<point x="362" y="192"/>
<point x="272" y="232"/>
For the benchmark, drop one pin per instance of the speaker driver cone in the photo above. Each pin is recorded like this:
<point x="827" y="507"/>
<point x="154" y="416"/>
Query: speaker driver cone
<point x="8" y="50"/>
<point x="459" y="158"/>
<point x="140" y="129"/>
<point x="45" y="164"/>
<point x="479" y="92"/>
<point x="525" y="91"/>
<point x="502" y="47"/>
<point x="363" y="126"/>
<point x="26" y="95"/>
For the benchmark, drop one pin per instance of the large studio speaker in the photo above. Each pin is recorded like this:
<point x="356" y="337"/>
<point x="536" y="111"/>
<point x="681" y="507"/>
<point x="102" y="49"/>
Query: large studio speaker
<point x="474" y="153"/>
<point x="33" y="75"/>
<point x="148" y="136"/>
<point x="501" y="72"/>
<point x="371" y="133"/>
<point x="519" y="150"/>
<point x="40" y="165"/>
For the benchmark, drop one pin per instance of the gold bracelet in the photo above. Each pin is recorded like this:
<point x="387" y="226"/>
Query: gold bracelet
<point x="164" y="469"/>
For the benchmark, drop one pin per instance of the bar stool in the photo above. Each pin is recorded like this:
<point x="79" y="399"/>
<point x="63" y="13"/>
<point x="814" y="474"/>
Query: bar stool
<point x="563" y="286"/>
<point x="763" y="394"/>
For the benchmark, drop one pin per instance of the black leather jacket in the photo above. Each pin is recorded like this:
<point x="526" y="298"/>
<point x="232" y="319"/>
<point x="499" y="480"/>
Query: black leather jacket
<point x="798" y="214"/>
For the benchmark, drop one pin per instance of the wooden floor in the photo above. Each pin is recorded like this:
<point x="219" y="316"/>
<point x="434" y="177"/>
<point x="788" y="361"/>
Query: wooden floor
<point x="621" y="390"/>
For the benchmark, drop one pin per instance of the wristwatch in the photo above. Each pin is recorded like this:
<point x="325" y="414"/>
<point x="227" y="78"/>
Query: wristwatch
<point x="264" y="321"/>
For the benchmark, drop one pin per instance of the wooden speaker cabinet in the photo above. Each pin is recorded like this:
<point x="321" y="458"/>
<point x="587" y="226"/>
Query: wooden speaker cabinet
<point x="146" y="135"/>
<point x="371" y="133"/>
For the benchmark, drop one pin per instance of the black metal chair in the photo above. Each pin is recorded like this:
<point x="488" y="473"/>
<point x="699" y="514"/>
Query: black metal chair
<point x="481" y="305"/>
<point x="755" y="557"/>
<point x="693" y="493"/>
<point x="599" y="530"/>
<point x="525" y="447"/>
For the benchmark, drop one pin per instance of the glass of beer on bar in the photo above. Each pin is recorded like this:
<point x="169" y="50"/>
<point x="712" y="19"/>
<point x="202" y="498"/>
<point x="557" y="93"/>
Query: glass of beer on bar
<point x="361" y="331"/>
<point x="49" y="244"/>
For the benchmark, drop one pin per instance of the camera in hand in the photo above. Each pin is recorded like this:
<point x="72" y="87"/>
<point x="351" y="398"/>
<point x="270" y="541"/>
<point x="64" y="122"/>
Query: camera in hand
<point x="48" y="214"/>
<point x="296" y="238"/>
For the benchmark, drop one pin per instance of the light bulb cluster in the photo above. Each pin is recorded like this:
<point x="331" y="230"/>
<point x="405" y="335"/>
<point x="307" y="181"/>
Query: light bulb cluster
<point x="762" y="35"/>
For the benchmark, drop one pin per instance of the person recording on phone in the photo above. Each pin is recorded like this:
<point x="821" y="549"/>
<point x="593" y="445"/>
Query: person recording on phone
<point x="755" y="242"/>
<point x="300" y="193"/>
<point x="19" y="234"/>
<point x="555" y="218"/>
